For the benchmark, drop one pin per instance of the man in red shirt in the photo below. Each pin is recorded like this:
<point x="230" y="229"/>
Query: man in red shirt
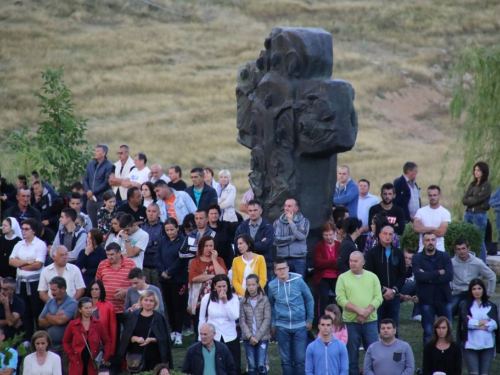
<point x="113" y="272"/>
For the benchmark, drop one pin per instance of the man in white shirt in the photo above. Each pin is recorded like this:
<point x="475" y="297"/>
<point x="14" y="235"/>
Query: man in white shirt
<point x="133" y="240"/>
<point x="139" y="174"/>
<point x="156" y="173"/>
<point x="432" y="218"/>
<point x="123" y="167"/>
<point x="365" y="201"/>
<point x="61" y="267"/>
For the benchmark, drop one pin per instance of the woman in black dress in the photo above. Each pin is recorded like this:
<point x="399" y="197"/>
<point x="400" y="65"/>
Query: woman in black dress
<point x="441" y="353"/>
<point x="147" y="333"/>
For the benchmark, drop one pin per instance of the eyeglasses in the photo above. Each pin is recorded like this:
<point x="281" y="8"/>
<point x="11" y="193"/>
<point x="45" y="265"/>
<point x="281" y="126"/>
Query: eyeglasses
<point x="25" y="229"/>
<point x="281" y="269"/>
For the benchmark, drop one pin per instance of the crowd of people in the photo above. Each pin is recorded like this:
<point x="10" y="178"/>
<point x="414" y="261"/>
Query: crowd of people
<point x="114" y="276"/>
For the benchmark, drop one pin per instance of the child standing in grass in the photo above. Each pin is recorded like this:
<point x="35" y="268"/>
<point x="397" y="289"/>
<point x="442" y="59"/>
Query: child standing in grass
<point x="255" y="323"/>
<point x="106" y="212"/>
<point x="339" y="328"/>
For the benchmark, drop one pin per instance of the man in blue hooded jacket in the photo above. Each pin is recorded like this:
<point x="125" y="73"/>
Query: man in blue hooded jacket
<point x="346" y="191"/>
<point x="291" y="317"/>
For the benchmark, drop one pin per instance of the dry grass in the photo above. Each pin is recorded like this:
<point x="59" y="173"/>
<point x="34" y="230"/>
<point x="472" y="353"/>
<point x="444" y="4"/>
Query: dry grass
<point x="163" y="81"/>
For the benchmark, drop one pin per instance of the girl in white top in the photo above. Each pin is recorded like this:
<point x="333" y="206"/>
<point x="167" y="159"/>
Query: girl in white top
<point x="148" y="193"/>
<point x="478" y="321"/>
<point x="221" y="308"/>
<point x="226" y="193"/>
<point x="41" y="361"/>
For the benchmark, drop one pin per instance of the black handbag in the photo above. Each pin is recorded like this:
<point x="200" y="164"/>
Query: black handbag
<point x="135" y="361"/>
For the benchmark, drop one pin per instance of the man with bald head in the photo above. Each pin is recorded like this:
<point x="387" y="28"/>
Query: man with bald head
<point x="156" y="173"/>
<point x="360" y="309"/>
<point x="208" y="356"/>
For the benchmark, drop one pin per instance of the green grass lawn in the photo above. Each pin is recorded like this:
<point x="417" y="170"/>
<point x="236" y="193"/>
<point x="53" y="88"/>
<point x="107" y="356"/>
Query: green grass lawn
<point x="410" y="331"/>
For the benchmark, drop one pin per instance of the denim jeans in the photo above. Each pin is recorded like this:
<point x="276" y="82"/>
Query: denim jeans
<point x="297" y="265"/>
<point x="429" y="314"/>
<point x="292" y="344"/>
<point x="356" y="332"/>
<point x="497" y="222"/>
<point x="256" y="357"/>
<point x="410" y="289"/>
<point x="389" y="309"/>
<point x="479" y="361"/>
<point x="480" y="221"/>
<point x="455" y="302"/>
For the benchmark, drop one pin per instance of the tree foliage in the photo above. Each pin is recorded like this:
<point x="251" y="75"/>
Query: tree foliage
<point x="58" y="150"/>
<point x="477" y="94"/>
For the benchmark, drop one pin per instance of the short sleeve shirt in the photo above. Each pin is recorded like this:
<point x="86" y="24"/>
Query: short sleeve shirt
<point x="56" y="333"/>
<point x="433" y="218"/>
<point x="139" y="176"/>
<point x="72" y="275"/>
<point x="139" y="239"/>
<point x="16" y="306"/>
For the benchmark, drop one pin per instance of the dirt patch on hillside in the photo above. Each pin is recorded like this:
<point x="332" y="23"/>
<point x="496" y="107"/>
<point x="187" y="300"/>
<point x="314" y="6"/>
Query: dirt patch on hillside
<point x="416" y="110"/>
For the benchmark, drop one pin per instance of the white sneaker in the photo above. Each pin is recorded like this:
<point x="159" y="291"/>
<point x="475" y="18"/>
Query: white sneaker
<point x="178" y="339"/>
<point x="417" y="317"/>
<point x="173" y="335"/>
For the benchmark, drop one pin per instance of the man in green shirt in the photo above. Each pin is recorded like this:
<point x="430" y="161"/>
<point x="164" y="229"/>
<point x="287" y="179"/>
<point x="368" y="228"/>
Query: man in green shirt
<point x="359" y="294"/>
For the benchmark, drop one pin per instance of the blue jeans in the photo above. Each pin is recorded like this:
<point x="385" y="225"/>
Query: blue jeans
<point x="480" y="221"/>
<point x="429" y="314"/>
<point x="297" y="265"/>
<point x="292" y="344"/>
<point x="389" y="309"/>
<point x="356" y="332"/>
<point x="410" y="289"/>
<point x="256" y="357"/>
<point x="497" y="222"/>
<point x="455" y="302"/>
<point x="479" y="361"/>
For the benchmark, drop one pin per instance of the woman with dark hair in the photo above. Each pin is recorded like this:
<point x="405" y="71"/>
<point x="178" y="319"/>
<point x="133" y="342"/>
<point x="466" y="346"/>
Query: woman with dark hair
<point x="221" y="308"/>
<point x="378" y="222"/>
<point x="173" y="275"/>
<point x="441" y="353"/>
<point x="102" y="310"/>
<point x="106" y="212"/>
<point x="326" y="254"/>
<point x="476" y="200"/>
<point x="202" y="270"/>
<point x="112" y="235"/>
<point x="11" y="235"/>
<point x="42" y="361"/>
<point x="146" y="333"/>
<point x="246" y="264"/>
<point x="209" y="179"/>
<point x="188" y="224"/>
<point x="478" y="329"/>
<point x="148" y="193"/>
<point x="255" y="324"/>
<point x="89" y="259"/>
<point x="83" y="338"/>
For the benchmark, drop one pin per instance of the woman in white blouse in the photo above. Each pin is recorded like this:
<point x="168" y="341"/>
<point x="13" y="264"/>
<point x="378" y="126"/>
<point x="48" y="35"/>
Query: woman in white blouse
<point x="227" y="194"/>
<point x="478" y="325"/>
<point x="222" y="308"/>
<point x="28" y="257"/>
<point x="41" y="361"/>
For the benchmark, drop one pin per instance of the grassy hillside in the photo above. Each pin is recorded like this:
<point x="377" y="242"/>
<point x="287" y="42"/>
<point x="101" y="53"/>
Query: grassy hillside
<point x="162" y="78"/>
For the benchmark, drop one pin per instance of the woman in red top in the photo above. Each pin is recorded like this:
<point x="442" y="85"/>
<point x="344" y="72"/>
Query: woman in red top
<point x="82" y="334"/>
<point x="326" y="272"/>
<point x="202" y="269"/>
<point x="102" y="310"/>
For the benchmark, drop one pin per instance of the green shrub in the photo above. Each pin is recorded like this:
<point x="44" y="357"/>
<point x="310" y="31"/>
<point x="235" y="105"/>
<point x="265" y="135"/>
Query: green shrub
<point x="456" y="229"/>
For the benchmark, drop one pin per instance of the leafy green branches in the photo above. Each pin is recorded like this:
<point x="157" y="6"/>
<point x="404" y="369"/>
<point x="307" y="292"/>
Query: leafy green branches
<point x="477" y="94"/>
<point x="58" y="150"/>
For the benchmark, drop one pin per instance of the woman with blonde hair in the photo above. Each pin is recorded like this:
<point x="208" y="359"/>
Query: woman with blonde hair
<point x="146" y="334"/>
<point x="226" y="193"/>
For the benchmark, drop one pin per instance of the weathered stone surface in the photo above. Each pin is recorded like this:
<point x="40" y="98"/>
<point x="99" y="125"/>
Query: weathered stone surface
<point x="295" y="118"/>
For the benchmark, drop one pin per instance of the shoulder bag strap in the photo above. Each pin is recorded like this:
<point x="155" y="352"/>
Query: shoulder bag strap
<point x="87" y="345"/>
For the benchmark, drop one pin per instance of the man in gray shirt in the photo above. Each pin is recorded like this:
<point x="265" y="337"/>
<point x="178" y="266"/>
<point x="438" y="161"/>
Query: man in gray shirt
<point x="139" y="286"/>
<point x="389" y="356"/>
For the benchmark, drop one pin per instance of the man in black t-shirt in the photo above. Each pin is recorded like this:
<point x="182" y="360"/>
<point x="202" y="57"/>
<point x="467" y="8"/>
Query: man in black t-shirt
<point x="395" y="214"/>
<point x="134" y="205"/>
<point x="11" y="309"/>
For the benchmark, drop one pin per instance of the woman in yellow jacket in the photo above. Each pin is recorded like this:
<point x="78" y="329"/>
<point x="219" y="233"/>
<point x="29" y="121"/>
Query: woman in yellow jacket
<point x="246" y="264"/>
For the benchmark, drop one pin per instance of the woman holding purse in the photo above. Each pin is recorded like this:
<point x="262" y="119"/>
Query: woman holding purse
<point x="145" y="340"/>
<point x="82" y="340"/>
